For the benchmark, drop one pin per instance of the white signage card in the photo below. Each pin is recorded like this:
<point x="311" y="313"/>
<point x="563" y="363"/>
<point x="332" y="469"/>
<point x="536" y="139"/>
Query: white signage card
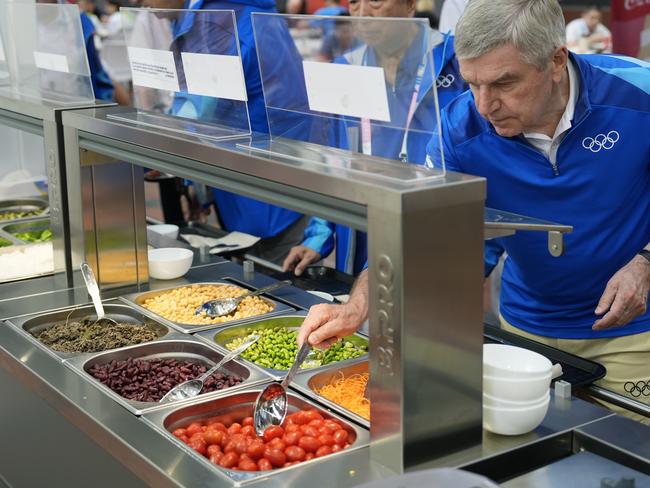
<point x="214" y="75"/>
<point x="153" y="68"/>
<point x="52" y="62"/>
<point x="356" y="91"/>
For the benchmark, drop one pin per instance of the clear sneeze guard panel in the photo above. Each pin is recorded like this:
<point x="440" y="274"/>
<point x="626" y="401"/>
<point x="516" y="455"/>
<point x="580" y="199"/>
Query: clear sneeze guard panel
<point x="187" y="73"/>
<point x="45" y="54"/>
<point x="25" y="234"/>
<point x="361" y="86"/>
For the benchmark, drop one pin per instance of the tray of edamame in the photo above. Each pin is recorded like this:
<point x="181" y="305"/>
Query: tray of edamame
<point x="276" y="349"/>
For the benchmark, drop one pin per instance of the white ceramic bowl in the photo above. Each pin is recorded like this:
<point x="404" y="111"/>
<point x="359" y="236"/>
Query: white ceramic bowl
<point x="505" y="361"/>
<point x="516" y="390"/>
<point x="514" y="421"/>
<point x="492" y="401"/>
<point x="167" y="230"/>
<point x="167" y="263"/>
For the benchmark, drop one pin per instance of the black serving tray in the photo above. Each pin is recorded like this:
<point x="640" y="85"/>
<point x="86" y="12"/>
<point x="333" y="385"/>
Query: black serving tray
<point x="320" y="278"/>
<point x="575" y="370"/>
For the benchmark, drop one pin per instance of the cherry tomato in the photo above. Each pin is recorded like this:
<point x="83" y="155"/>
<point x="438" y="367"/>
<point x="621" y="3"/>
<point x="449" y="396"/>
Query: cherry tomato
<point x="290" y="463"/>
<point x="216" y="457"/>
<point x="199" y="436"/>
<point x="264" y="464"/>
<point x="327" y="430"/>
<point x="184" y="438"/>
<point x="309" y="444"/>
<point x="341" y="437"/>
<point x="311" y="431"/>
<point x="241" y="446"/>
<point x="229" y="460"/>
<point x="276" y="457"/>
<point x="199" y="446"/>
<point x="218" y="426"/>
<point x="300" y="418"/>
<point x="317" y="423"/>
<point x="230" y="447"/>
<point x="332" y="424"/>
<point x="194" y="428"/>
<point x="336" y="448"/>
<point x="323" y="450"/>
<point x="292" y="428"/>
<point x="247" y="465"/>
<point x="309" y="456"/>
<point x="234" y="428"/>
<point x="273" y="432"/>
<point x="291" y="438"/>
<point x="248" y="430"/>
<point x="212" y="449"/>
<point x="179" y="432"/>
<point x="326" y="440"/>
<point x="256" y="450"/>
<point x="247" y="421"/>
<point x="277" y="443"/>
<point x="312" y="415"/>
<point x="295" y="453"/>
<point x="214" y="436"/>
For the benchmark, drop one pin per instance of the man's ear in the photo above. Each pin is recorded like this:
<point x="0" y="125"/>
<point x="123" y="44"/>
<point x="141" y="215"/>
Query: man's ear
<point x="559" y="62"/>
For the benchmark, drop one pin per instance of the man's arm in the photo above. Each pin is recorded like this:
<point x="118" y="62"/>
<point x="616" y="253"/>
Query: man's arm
<point x="626" y="294"/>
<point x="325" y="324"/>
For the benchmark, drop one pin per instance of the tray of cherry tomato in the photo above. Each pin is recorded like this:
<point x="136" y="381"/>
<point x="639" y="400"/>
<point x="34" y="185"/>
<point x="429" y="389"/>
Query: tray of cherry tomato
<point x="221" y="433"/>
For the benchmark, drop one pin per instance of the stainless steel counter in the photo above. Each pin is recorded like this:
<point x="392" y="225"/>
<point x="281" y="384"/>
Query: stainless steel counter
<point x="141" y="454"/>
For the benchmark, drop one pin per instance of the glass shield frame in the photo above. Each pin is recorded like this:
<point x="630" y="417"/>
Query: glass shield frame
<point x="45" y="53"/>
<point x="187" y="73"/>
<point x="348" y="88"/>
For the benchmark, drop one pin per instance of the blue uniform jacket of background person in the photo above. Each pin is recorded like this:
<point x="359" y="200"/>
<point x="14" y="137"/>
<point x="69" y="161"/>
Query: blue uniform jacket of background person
<point x="601" y="188"/>
<point x="102" y="84"/>
<point x="237" y="213"/>
<point x="351" y="247"/>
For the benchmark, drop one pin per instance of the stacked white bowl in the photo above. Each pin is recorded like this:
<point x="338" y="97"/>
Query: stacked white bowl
<point x="516" y="390"/>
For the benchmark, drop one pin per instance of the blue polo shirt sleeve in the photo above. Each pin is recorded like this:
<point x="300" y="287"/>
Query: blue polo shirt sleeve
<point x="319" y="236"/>
<point x="102" y="85"/>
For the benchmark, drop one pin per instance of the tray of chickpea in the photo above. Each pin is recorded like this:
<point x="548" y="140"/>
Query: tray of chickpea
<point x="175" y="306"/>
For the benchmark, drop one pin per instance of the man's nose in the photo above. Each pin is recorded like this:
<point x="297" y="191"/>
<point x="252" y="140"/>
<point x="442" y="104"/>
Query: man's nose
<point x="486" y="103"/>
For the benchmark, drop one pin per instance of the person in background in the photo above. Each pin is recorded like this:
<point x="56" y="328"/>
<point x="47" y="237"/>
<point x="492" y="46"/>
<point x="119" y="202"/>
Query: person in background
<point x="321" y="236"/>
<point x="587" y="35"/>
<point x="278" y="228"/>
<point x="112" y="19"/>
<point x="331" y="8"/>
<point x="450" y="13"/>
<point x="89" y="7"/>
<point x="339" y="40"/>
<point x="565" y="138"/>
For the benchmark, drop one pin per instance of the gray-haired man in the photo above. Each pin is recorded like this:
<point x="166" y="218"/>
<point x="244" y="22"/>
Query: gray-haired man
<point x="557" y="137"/>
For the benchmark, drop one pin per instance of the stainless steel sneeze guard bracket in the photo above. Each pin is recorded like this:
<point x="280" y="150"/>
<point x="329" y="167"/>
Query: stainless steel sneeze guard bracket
<point x="499" y="223"/>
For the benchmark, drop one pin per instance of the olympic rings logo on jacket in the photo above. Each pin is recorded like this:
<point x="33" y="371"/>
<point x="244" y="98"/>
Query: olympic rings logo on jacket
<point x="445" y="81"/>
<point x="601" y="141"/>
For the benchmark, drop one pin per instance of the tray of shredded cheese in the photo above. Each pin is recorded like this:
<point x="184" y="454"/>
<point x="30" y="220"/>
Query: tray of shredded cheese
<point x="341" y="388"/>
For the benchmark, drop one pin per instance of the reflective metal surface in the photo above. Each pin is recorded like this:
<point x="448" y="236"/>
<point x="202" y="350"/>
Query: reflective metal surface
<point x="32" y="325"/>
<point x="581" y="469"/>
<point x="176" y="346"/>
<point x="310" y="382"/>
<point x="239" y="405"/>
<point x="222" y="336"/>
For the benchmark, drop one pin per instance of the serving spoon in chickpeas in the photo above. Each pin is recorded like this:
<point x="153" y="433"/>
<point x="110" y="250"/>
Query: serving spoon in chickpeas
<point x="224" y="306"/>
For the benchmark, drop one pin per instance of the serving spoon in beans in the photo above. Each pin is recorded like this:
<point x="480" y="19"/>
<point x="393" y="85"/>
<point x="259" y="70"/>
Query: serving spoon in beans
<point x="191" y="388"/>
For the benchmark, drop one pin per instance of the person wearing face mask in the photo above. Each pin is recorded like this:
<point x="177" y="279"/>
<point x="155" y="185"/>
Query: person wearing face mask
<point x="560" y="137"/>
<point x="395" y="54"/>
<point x="279" y="228"/>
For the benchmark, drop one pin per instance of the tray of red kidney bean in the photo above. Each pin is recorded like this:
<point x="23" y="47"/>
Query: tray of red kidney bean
<point x="221" y="431"/>
<point x="139" y="376"/>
